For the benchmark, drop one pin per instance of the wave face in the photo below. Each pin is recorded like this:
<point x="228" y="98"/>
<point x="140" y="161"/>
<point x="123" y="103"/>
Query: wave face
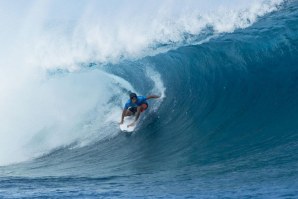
<point x="225" y="126"/>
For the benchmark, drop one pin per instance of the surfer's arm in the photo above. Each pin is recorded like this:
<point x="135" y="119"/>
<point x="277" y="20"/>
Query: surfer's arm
<point x="152" y="97"/>
<point x="124" y="112"/>
<point x="122" y="116"/>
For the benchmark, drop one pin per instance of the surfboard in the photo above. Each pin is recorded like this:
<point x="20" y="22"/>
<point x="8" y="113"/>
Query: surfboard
<point x="127" y="121"/>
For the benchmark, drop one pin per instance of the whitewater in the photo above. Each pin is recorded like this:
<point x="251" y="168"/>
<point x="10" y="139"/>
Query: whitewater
<point x="225" y="125"/>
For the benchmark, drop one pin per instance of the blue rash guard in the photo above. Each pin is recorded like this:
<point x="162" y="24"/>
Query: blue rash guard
<point x="140" y="100"/>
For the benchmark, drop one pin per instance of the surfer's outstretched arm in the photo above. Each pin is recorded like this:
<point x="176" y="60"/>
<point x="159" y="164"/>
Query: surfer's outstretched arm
<point x="152" y="97"/>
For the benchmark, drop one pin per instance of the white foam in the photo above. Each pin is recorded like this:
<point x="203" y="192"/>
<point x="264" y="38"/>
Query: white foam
<point x="42" y="115"/>
<point x="158" y="88"/>
<point x="56" y="34"/>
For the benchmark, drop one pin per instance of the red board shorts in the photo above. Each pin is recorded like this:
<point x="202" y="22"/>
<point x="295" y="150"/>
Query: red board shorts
<point x="145" y="106"/>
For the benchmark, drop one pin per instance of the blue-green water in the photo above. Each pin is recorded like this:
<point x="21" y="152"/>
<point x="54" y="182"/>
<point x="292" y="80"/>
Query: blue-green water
<point x="226" y="128"/>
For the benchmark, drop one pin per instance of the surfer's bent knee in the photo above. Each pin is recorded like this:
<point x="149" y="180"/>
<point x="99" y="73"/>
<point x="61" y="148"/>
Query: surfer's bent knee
<point x="128" y="113"/>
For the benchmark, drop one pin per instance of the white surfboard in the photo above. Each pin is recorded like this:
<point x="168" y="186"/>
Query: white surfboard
<point x="127" y="121"/>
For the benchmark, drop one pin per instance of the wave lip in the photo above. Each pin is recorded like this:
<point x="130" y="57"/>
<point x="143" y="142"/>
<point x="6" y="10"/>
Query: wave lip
<point x="110" y="32"/>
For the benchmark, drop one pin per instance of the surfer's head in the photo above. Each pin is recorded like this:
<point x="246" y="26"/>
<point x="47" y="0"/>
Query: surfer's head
<point x="133" y="97"/>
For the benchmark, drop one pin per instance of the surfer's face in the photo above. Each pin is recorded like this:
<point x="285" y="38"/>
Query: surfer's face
<point x="134" y="100"/>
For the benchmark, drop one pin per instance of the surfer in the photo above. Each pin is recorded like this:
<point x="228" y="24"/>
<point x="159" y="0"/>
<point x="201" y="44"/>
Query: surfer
<point x="135" y="105"/>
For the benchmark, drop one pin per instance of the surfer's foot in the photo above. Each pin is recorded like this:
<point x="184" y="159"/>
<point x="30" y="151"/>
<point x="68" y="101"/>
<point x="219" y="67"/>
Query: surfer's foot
<point x="132" y="124"/>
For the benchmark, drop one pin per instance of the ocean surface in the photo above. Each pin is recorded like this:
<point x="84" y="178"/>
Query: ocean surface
<point x="226" y="125"/>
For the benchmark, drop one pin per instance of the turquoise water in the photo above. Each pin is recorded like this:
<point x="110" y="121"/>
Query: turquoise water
<point x="226" y="126"/>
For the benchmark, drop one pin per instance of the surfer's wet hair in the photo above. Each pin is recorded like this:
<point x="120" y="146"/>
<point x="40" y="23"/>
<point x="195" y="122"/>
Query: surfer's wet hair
<point x="132" y="95"/>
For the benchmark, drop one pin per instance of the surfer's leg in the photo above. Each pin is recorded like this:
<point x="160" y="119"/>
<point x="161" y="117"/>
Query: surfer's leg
<point x="143" y="107"/>
<point x="131" y="111"/>
<point x="128" y="113"/>
<point x="139" y="110"/>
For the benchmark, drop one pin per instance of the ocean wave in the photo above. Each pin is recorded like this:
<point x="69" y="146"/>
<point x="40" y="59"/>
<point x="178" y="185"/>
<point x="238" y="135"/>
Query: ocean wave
<point x="41" y="112"/>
